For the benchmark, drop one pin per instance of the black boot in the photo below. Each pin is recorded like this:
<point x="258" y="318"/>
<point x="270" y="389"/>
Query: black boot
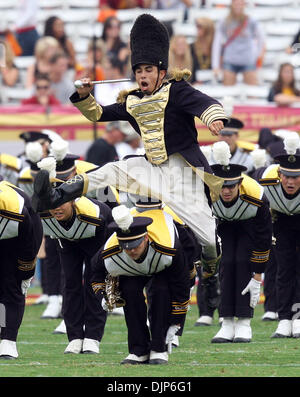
<point x="45" y="197"/>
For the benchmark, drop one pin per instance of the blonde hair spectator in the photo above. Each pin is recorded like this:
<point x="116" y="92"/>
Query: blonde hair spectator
<point x="202" y="46"/>
<point x="44" y="49"/>
<point x="180" y="56"/>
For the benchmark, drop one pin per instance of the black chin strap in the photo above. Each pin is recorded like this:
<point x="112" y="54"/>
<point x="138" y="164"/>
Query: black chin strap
<point x="158" y="71"/>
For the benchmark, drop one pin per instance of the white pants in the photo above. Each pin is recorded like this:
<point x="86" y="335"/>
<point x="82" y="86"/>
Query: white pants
<point x="173" y="182"/>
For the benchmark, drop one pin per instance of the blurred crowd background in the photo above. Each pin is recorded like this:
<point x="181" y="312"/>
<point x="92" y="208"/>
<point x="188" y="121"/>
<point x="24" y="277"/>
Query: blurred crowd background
<point x="49" y="44"/>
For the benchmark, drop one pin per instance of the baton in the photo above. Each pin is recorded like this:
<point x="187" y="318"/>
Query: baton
<point x="81" y="84"/>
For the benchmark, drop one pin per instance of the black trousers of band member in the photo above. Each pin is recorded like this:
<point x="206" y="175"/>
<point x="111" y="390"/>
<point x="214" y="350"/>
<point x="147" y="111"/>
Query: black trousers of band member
<point x="270" y="293"/>
<point x="11" y="296"/>
<point x="235" y="270"/>
<point x="83" y="315"/>
<point x="52" y="267"/>
<point x="44" y="285"/>
<point x="287" y="233"/>
<point x="207" y="307"/>
<point x="141" y="340"/>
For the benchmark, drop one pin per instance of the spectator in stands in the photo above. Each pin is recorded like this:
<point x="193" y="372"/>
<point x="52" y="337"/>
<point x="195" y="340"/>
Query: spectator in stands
<point x="238" y="45"/>
<point x="171" y="4"/>
<point x="132" y="144"/>
<point x="115" y="46"/>
<point x="180" y="55"/>
<point x="54" y="27"/>
<point x="93" y="66"/>
<point x="61" y="84"/>
<point x="9" y="74"/>
<point x="124" y="4"/>
<point x="44" y="49"/>
<point x="25" y="25"/>
<point x="106" y="94"/>
<point x="202" y="46"/>
<point x="108" y="8"/>
<point x="284" y="91"/>
<point x="103" y="150"/>
<point x="42" y="95"/>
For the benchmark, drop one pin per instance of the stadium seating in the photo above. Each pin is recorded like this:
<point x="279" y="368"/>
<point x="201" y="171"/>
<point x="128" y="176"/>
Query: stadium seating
<point x="279" y="19"/>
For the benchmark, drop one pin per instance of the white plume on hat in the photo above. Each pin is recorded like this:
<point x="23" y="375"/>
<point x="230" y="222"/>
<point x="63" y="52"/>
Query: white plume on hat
<point x="34" y="151"/>
<point x="291" y="142"/>
<point x="122" y="217"/>
<point x="59" y="149"/>
<point x="259" y="157"/>
<point x="206" y="150"/>
<point x="54" y="136"/>
<point x="221" y="152"/>
<point x="282" y="133"/>
<point x="49" y="164"/>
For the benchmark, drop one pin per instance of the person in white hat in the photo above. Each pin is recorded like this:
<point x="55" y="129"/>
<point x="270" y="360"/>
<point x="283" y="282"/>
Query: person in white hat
<point x="21" y="237"/>
<point x="144" y="251"/>
<point x="245" y="229"/>
<point x="281" y="182"/>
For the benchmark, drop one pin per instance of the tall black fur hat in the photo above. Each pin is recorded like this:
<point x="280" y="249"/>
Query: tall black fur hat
<point x="149" y="42"/>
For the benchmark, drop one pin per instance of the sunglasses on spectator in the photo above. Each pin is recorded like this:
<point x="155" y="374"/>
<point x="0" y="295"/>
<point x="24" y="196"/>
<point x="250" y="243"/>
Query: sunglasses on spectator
<point x="113" y="26"/>
<point x="42" y="87"/>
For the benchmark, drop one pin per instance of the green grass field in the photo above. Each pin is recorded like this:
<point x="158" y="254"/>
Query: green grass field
<point x="41" y="352"/>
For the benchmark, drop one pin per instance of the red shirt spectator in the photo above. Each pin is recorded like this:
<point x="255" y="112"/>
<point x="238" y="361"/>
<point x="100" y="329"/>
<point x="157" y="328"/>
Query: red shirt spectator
<point x="121" y="4"/>
<point x="43" y="95"/>
<point x="34" y="100"/>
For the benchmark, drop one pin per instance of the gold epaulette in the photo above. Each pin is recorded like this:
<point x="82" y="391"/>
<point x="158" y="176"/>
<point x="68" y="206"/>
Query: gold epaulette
<point x="10" y="161"/>
<point x="10" y="202"/>
<point x="158" y="230"/>
<point x="251" y="191"/>
<point x="87" y="211"/>
<point x="45" y="215"/>
<point x="115" y="249"/>
<point x="174" y="216"/>
<point x="270" y="176"/>
<point x="163" y="249"/>
<point x="89" y="219"/>
<point x="84" y="166"/>
<point x="25" y="176"/>
<point x="12" y="216"/>
<point x="246" y="146"/>
<point x="251" y="200"/>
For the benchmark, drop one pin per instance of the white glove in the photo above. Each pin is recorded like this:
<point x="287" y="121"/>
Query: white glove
<point x="25" y="284"/>
<point x="254" y="288"/>
<point x="170" y="335"/>
<point x="104" y="305"/>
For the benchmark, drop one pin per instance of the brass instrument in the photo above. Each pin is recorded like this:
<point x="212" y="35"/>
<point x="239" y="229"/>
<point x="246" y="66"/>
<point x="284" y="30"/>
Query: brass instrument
<point x="113" y="295"/>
